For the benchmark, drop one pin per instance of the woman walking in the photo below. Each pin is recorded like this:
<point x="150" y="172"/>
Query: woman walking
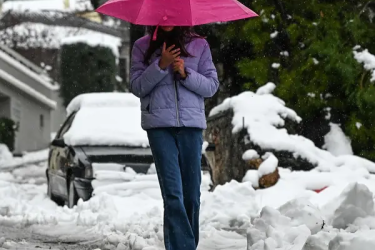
<point x="172" y="72"/>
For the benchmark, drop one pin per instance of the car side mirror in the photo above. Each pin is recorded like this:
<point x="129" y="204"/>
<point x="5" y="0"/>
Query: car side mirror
<point x="58" y="143"/>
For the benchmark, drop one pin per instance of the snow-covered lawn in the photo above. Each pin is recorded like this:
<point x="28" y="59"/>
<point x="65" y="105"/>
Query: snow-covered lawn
<point x="129" y="214"/>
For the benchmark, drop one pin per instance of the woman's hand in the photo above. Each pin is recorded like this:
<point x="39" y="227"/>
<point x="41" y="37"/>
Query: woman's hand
<point x="179" y="66"/>
<point x="168" y="56"/>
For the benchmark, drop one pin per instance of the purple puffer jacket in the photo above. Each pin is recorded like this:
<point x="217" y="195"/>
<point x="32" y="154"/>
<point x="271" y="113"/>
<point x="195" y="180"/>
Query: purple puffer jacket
<point x="169" y="103"/>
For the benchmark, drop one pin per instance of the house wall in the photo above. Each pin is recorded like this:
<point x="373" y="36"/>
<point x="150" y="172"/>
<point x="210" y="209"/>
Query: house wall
<point x="18" y="73"/>
<point x="48" y="57"/>
<point x="4" y="106"/>
<point x="27" y="111"/>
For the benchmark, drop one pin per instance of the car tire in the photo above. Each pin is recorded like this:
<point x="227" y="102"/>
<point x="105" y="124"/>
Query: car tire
<point x="72" y="193"/>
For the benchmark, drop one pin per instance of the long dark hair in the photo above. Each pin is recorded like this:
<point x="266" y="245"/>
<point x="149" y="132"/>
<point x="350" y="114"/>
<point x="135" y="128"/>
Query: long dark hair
<point x="179" y="36"/>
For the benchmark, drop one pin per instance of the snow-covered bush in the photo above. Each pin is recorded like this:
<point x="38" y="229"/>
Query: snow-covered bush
<point x="8" y="129"/>
<point x="261" y="118"/>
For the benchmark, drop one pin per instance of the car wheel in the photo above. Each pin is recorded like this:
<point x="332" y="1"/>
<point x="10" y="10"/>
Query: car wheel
<point x="72" y="193"/>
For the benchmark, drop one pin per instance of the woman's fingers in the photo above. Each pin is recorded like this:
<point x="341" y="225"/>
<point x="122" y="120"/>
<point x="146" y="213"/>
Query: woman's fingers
<point x="175" y="51"/>
<point x="164" y="46"/>
<point x="170" y="48"/>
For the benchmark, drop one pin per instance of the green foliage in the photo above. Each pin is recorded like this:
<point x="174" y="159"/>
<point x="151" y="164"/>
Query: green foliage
<point x="96" y="3"/>
<point x="8" y="129"/>
<point x="86" y="69"/>
<point x="320" y="71"/>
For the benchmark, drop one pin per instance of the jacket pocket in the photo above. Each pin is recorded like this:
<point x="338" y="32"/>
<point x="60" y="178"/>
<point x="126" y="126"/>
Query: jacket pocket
<point x="145" y="103"/>
<point x="150" y="103"/>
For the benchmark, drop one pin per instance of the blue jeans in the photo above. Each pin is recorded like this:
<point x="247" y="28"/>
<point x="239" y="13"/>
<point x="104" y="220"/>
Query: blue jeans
<point x="177" y="154"/>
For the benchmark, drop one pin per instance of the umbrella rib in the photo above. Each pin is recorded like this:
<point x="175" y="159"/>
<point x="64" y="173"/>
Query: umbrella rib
<point x="191" y="14"/>
<point x="139" y="11"/>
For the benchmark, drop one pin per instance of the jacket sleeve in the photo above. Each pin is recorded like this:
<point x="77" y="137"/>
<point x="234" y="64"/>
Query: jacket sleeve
<point x="204" y="82"/>
<point x="144" y="78"/>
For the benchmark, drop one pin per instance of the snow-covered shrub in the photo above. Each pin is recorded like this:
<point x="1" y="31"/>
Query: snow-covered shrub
<point x="8" y="129"/>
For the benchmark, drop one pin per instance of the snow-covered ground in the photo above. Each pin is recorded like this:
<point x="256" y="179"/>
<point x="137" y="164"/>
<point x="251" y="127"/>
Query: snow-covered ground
<point x="8" y="162"/>
<point x="328" y="208"/>
<point x="128" y="215"/>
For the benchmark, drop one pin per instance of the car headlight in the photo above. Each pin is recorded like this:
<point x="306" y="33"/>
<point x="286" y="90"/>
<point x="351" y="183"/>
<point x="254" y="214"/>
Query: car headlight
<point x="89" y="173"/>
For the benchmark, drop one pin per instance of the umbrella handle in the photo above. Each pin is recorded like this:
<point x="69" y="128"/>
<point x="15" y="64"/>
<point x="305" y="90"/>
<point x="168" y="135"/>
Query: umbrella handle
<point x="154" y="37"/>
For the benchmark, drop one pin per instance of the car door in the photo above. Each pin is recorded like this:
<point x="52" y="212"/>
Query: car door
<point x="59" y="161"/>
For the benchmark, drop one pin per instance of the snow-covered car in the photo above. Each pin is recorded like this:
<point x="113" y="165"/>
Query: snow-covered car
<point x="101" y="129"/>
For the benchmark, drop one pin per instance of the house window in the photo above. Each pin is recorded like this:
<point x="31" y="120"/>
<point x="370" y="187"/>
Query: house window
<point x="41" y="121"/>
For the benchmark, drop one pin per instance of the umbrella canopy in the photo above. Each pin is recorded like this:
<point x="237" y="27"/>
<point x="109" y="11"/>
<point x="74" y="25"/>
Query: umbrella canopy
<point x="176" y="12"/>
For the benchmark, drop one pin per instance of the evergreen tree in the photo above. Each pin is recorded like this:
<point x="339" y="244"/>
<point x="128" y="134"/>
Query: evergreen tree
<point x="86" y="69"/>
<point x="306" y="48"/>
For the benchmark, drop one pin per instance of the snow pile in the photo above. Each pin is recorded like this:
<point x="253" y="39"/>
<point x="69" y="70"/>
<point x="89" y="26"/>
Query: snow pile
<point x="300" y="225"/>
<point x="264" y="114"/>
<point x="106" y="119"/>
<point x="266" y="89"/>
<point x="5" y="154"/>
<point x="268" y="166"/>
<point x="273" y="230"/>
<point x="368" y="61"/>
<point x="37" y="35"/>
<point x="336" y="142"/>
<point x="250" y="155"/>
<point x="355" y="202"/>
<point x="252" y="176"/>
<point x="303" y="212"/>
<point x="95" y="40"/>
<point x="7" y="161"/>
<point x="127" y="209"/>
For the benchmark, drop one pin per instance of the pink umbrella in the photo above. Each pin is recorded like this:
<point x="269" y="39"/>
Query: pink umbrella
<point x="176" y="12"/>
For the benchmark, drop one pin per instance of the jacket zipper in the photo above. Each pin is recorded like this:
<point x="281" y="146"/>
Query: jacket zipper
<point x="176" y="97"/>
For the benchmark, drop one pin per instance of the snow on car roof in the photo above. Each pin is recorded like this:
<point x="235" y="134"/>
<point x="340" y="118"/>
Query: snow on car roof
<point x="103" y="100"/>
<point x="106" y="119"/>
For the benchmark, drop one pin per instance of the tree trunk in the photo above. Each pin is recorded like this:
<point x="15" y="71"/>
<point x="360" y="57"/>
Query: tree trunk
<point x="226" y="160"/>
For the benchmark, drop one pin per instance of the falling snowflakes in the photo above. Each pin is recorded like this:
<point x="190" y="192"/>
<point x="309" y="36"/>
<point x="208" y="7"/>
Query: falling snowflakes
<point x="275" y="65"/>
<point x="274" y="34"/>
<point x="284" y="53"/>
